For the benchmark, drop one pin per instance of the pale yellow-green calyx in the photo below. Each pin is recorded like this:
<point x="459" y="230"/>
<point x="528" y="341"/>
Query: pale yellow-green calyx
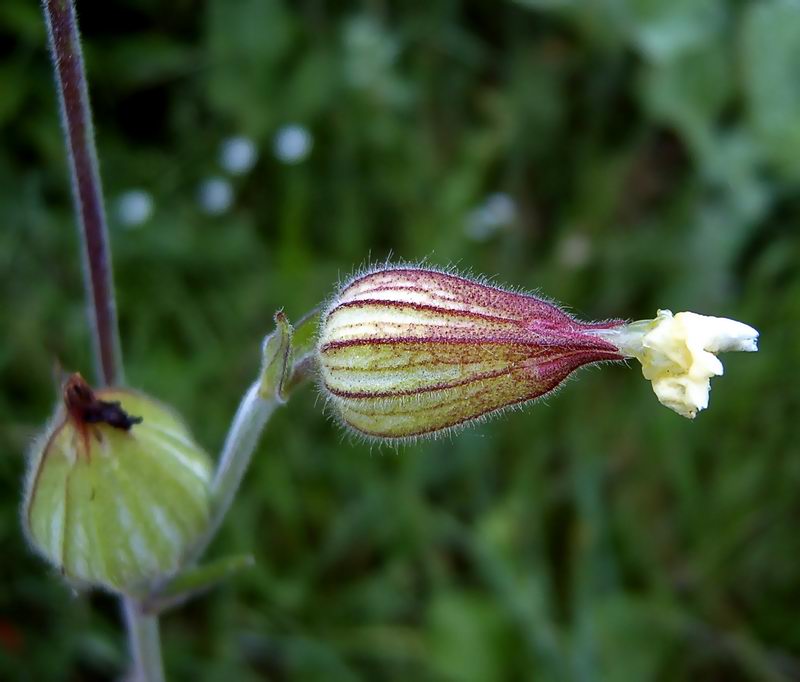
<point x="406" y="352"/>
<point x="112" y="501"/>
<point x="678" y="354"/>
<point x="276" y="360"/>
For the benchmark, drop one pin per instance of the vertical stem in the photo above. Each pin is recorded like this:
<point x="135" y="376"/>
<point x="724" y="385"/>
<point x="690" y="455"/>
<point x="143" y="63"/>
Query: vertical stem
<point x="145" y="642"/>
<point x="65" y="49"/>
<point x="76" y="118"/>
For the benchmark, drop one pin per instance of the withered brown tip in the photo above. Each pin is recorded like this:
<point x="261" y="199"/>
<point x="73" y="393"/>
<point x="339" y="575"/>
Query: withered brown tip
<point x="85" y="408"/>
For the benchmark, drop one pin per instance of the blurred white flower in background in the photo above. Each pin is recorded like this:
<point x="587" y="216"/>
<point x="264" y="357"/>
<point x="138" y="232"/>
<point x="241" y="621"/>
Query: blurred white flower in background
<point x="215" y="195"/>
<point x="238" y="155"/>
<point x="370" y="52"/>
<point x="574" y="250"/>
<point x="498" y="211"/>
<point x="292" y="143"/>
<point x="134" y="207"/>
<point x="370" y="56"/>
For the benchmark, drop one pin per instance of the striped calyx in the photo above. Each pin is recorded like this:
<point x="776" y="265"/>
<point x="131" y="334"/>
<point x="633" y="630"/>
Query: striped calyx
<point x="117" y="489"/>
<point x="407" y="352"/>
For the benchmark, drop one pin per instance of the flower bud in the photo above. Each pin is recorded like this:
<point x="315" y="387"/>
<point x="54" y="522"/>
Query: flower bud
<point x="407" y="352"/>
<point x="678" y="354"/>
<point x="117" y="489"/>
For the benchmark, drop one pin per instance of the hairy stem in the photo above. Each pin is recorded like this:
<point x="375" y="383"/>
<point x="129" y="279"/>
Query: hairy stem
<point x="145" y="642"/>
<point x="65" y="49"/>
<point x="240" y="443"/>
<point x="76" y="118"/>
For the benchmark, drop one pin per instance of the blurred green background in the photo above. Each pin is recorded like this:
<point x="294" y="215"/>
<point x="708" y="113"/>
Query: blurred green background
<point x="617" y="155"/>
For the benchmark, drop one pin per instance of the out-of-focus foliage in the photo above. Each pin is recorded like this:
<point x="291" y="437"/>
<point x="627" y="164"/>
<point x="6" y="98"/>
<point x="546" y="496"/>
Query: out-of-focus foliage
<point x="618" y="155"/>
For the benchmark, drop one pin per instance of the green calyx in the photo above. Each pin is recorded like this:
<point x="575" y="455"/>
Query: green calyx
<point x="288" y="357"/>
<point x="117" y="490"/>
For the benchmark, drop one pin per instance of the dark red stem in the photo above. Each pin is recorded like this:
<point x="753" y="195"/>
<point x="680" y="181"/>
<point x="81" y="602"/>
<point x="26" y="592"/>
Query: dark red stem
<point x="65" y="49"/>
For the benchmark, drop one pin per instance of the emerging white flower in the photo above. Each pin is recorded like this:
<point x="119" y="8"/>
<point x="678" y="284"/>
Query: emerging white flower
<point x="678" y="354"/>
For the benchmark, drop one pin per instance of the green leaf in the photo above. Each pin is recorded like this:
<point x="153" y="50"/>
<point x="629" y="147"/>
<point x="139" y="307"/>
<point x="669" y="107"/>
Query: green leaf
<point x="246" y="39"/>
<point x="143" y="61"/>
<point x="469" y="639"/>
<point x="664" y="30"/>
<point x="689" y="92"/>
<point x="770" y="53"/>
<point x="545" y="4"/>
<point x="197" y="579"/>
<point x="15" y="87"/>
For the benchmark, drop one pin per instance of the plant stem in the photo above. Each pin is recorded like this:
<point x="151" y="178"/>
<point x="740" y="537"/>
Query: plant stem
<point x="65" y="49"/>
<point x="240" y="443"/>
<point x="145" y="642"/>
<point x="76" y="118"/>
<point x="253" y="412"/>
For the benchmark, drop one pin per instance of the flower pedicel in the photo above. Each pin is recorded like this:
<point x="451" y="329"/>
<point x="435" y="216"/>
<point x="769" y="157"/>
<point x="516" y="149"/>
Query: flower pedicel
<point x="406" y="352"/>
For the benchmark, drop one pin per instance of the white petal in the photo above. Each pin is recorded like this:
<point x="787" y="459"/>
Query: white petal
<point x="678" y="354"/>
